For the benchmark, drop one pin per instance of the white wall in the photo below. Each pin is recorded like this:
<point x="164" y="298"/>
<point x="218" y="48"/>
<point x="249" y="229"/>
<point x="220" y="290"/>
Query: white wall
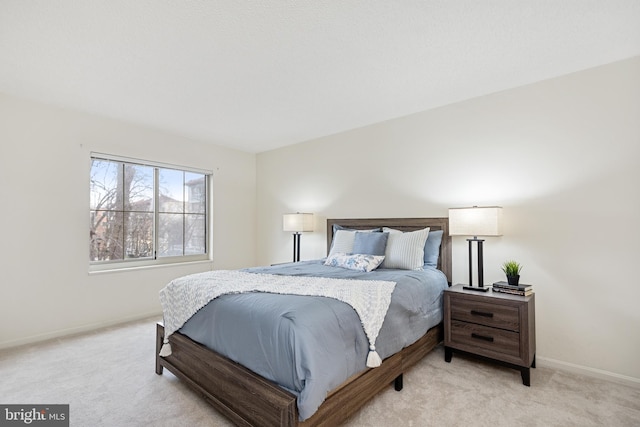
<point x="45" y="288"/>
<point x="561" y="156"/>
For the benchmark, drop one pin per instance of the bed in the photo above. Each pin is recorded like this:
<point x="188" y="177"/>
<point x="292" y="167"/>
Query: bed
<point x="247" y="398"/>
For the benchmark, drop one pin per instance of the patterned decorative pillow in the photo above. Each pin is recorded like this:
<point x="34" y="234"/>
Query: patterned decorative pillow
<point x="358" y="262"/>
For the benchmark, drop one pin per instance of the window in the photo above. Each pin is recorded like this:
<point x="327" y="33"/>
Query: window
<point x="143" y="213"/>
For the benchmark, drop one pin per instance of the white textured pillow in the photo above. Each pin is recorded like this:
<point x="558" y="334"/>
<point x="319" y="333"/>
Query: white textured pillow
<point x="358" y="262"/>
<point x="405" y="251"/>
<point x="342" y="242"/>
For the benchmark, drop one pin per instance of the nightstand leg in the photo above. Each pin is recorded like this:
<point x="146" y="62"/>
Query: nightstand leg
<point x="525" y="373"/>
<point x="533" y="365"/>
<point x="448" y="352"/>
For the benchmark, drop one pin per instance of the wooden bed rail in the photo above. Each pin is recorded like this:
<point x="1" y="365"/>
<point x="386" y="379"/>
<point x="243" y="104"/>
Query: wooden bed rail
<point x="247" y="399"/>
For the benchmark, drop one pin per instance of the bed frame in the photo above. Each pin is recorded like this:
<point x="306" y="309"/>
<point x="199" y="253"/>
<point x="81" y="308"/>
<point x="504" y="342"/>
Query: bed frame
<point x="248" y="399"/>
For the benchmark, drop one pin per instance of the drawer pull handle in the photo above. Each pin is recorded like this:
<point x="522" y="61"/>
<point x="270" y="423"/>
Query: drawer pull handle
<point x="481" y="337"/>
<point x="481" y="313"/>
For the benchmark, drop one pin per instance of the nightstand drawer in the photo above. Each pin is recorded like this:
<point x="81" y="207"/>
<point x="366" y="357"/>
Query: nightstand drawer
<point x="464" y="334"/>
<point x="489" y="314"/>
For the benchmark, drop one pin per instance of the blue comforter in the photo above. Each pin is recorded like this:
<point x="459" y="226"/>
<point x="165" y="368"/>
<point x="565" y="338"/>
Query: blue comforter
<point x="310" y="345"/>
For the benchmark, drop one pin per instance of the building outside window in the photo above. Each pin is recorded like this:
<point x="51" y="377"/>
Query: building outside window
<point x="143" y="213"/>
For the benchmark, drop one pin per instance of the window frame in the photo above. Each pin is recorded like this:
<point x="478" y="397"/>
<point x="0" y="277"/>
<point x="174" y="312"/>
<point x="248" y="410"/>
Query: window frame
<point x="155" y="260"/>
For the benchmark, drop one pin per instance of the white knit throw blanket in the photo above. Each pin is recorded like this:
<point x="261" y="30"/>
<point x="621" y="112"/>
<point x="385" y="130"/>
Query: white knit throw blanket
<point x="184" y="296"/>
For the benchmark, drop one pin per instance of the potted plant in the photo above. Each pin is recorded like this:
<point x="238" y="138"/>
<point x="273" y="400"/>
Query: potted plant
<point x="512" y="270"/>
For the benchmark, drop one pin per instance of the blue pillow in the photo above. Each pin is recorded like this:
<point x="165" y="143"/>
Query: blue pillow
<point x="370" y="243"/>
<point x="432" y="248"/>
<point x="337" y="227"/>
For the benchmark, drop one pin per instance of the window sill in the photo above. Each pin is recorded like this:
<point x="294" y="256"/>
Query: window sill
<point x="121" y="269"/>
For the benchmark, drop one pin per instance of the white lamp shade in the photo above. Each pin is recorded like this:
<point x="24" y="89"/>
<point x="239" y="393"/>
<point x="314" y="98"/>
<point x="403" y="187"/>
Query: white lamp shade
<point x="475" y="221"/>
<point x="297" y="222"/>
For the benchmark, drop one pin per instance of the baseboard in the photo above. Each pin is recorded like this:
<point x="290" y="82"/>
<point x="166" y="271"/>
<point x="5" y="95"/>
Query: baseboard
<point x="76" y="330"/>
<point x="590" y="372"/>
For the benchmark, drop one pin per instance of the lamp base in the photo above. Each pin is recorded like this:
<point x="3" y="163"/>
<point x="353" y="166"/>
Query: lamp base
<point x="296" y="246"/>
<point x="476" y="288"/>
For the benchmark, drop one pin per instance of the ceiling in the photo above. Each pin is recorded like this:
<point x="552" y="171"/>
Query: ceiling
<point x="257" y="75"/>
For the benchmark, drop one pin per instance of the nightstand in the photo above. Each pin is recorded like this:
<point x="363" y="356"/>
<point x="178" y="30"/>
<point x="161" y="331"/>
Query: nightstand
<point x="495" y="326"/>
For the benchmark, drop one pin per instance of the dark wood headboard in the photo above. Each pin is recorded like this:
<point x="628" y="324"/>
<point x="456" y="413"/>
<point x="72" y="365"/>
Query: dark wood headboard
<point x="403" y="224"/>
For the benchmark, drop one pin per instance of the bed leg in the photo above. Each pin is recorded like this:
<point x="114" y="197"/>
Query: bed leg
<point x="397" y="383"/>
<point x="159" y="340"/>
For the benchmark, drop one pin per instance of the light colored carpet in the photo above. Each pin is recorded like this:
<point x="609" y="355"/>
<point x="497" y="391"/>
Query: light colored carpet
<point x="108" y="379"/>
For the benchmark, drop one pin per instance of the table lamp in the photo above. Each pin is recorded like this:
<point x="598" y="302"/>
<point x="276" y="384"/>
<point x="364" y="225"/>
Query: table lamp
<point x="475" y="221"/>
<point x="297" y="222"/>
